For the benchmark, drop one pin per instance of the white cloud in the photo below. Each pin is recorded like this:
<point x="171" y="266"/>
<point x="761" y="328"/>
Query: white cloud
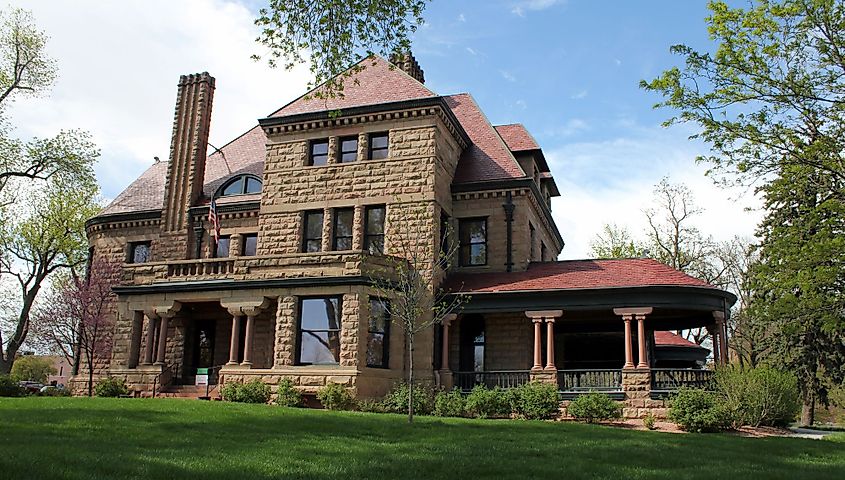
<point x="617" y="62"/>
<point x="568" y="128"/>
<point x="462" y="18"/>
<point x="471" y="51"/>
<point x="612" y="182"/>
<point x="521" y="7"/>
<point x="579" y="95"/>
<point x="507" y="75"/>
<point x="521" y="104"/>
<point x="119" y="63"/>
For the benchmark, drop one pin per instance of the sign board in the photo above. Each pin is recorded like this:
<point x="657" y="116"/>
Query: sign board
<point x="202" y="377"/>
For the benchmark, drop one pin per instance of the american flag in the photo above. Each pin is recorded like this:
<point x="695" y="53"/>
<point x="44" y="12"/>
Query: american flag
<point x="214" y="220"/>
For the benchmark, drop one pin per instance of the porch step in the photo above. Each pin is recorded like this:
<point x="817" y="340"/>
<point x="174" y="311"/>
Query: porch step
<point x="188" y="391"/>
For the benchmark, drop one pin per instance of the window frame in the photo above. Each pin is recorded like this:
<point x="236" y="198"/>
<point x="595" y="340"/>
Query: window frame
<point x="130" y="254"/>
<point x="244" y="180"/>
<point x="367" y="235"/>
<point x="216" y="244"/>
<point x="305" y="223"/>
<point x="340" y="150"/>
<point x="244" y="238"/>
<point x="299" y="329"/>
<point x="370" y="148"/>
<point x="466" y="248"/>
<point x="335" y="237"/>
<point x="311" y="144"/>
<point x="385" y="344"/>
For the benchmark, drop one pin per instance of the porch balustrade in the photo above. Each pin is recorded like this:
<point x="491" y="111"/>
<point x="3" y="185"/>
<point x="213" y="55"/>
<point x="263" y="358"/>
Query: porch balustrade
<point x="465" y="381"/>
<point x="589" y="380"/>
<point x="670" y="379"/>
<point x="201" y="268"/>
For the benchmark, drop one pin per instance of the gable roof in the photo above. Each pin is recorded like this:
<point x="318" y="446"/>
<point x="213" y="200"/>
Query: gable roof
<point x="576" y="275"/>
<point x="517" y="138"/>
<point x="669" y="339"/>
<point x="378" y="82"/>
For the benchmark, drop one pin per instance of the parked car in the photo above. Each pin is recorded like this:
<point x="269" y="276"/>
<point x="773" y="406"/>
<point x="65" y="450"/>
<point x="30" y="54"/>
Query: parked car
<point x="31" y="387"/>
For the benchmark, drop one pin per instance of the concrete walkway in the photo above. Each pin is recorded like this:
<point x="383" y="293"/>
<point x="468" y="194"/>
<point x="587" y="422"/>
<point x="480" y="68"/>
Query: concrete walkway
<point x="803" y="432"/>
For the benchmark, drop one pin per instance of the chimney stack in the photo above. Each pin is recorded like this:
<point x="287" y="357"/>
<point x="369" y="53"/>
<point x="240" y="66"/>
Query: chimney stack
<point x="188" y="148"/>
<point x="408" y="63"/>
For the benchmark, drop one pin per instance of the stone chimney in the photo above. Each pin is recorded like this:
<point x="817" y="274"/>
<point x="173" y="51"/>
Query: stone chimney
<point x="408" y="63"/>
<point x="188" y="147"/>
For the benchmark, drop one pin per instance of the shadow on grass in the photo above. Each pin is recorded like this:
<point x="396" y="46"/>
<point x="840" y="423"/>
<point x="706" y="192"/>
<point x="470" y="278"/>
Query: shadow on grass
<point x="104" y="438"/>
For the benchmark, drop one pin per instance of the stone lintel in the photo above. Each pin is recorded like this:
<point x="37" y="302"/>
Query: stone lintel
<point x="541" y="314"/>
<point x="633" y="311"/>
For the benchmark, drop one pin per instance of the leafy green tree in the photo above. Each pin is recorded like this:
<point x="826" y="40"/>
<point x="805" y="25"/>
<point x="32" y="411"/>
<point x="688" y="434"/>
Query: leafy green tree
<point x="331" y="35"/>
<point x="33" y="369"/>
<point x="615" y="241"/>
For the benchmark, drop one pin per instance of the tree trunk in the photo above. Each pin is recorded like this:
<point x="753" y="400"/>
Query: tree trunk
<point x="5" y="366"/>
<point x="411" y="378"/>
<point x="808" y="409"/>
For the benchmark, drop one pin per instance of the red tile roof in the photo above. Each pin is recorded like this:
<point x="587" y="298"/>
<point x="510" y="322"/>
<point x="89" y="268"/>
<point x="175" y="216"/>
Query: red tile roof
<point x="669" y="339"/>
<point x="517" y="137"/>
<point x="378" y="82"/>
<point x="575" y="275"/>
<point x="488" y="158"/>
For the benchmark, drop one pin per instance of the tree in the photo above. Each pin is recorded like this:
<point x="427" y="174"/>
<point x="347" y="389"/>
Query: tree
<point x="773" y="87"/>
<point x="615" y="241"/>
<point x="46" y="234"/>
<point x="407" y="283"/>
<point x="76" y="319"/>
<point x="335" y="34"/>
<point x="32" y="368"/>
<point x="799" y="283"/>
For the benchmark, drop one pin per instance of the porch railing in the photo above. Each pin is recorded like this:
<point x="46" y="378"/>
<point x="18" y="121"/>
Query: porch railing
<point x="589" y="380"/>
<point x="201" y="268"/>
<point x="465" y="381"/>
<point x="670" y="379"/>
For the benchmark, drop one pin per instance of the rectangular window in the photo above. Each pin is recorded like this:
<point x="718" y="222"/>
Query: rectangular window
<point x="319" y="331"/>
<point x="318" y="152"/>
<point x="222" y="250"/>
<point x="139" y="252"/>
<point x="374" y="229"/>
<point x="473" y="238"/>
<point x="543" y="252"/>
<point x="532" y="240"/>
<point x="378" y="333"/>
<point x="250" y="245"/>
<point x="348" y="149"/>
<point x="312" y="231"/>
<point x="378" y="145"/>
<point x="342" y="229"/>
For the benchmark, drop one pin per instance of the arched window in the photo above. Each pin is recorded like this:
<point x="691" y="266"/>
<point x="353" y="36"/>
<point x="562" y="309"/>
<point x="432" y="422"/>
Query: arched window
<point x="240" y="185"/>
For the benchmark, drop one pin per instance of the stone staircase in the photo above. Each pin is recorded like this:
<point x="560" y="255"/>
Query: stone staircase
<point x="190" y="392"/>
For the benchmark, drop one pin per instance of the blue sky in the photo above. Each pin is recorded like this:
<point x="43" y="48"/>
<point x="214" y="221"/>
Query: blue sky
<point x="568" y="70"/>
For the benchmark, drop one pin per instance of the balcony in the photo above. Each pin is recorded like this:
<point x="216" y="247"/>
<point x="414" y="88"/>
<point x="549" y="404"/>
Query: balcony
<point x="296" y="265"/>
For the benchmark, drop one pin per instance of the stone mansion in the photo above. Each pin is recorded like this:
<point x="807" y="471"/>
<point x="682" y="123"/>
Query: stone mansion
<point x="311" y="201"/>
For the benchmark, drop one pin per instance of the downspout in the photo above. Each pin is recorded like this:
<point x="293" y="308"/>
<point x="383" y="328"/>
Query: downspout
<point x="509" y="206"/>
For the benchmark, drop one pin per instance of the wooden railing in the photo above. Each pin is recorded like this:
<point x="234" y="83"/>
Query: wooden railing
<point x="670" y="379"/>
<point x="201" y="268"/>
<point x="465" y="381"/>
<point x="589" y="380"/>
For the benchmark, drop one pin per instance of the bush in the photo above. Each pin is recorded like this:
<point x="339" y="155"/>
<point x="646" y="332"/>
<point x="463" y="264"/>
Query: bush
<point x="9" y="387"/>
<point x="536" y="401"/>
<point x="371" y="406"/>
<point x="110" y="387"/>
<point x="397" y="400"/>
<point x="757" y="396"/>
<point x="287" y="395"/>
<point x="483" y="402"/>
<point x="55" y="392"/>
<point x="649" y="421"/>
<point x="697" y="410"/>
<point x="253" y="391"/>
<point x="594" y="406"/>
<point x="335" y="397"/>
<point x="449" y="404"/>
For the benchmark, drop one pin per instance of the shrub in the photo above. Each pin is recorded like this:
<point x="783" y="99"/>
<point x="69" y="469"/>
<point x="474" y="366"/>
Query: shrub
<point x="335" y="397"/>
<point x="397" y="400"/>
<point x="287" y="395"/>
<point x="9" y="387"/>
<point x="592" y="407"/>
<point x="649" y="421"/>
<point x="483" y="402"/>
<point x="536" y="400"/>
<point x="449" y="404"/>
<point x="110" y="387"/>
<point x="697" y="410"/>
<point x="253" y="391"/>
<point x="757" y="396"/>
<point x="371" y="406"/>
<point x="55" y="392"/>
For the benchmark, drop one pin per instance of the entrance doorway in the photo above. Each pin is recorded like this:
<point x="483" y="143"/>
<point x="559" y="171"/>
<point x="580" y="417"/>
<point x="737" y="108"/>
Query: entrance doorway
<point x="202" y="347"/>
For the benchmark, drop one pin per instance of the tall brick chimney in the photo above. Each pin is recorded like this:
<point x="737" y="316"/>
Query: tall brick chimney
<point x="409" y="64"/>
<point x="186" y="169"/>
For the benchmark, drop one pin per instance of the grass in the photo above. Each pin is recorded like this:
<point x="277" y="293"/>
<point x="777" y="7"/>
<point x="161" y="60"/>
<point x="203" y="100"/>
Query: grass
<point x="80" y="438"/>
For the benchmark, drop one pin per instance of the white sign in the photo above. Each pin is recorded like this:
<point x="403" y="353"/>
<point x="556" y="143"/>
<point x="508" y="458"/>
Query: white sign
<point x="202" y="380"/>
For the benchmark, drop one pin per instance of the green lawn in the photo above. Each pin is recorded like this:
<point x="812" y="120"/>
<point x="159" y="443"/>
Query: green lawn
<point x="79" y="438"/>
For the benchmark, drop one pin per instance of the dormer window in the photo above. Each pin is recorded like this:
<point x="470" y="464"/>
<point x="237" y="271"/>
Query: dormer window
<point x="240" y="185"/>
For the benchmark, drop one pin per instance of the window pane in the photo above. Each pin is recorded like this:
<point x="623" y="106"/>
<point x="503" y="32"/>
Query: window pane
<point x="349" y="149"/>
<point x="478" y="254"/>
<point x="378" y="316"/>
<point x="343" y="222"/>
<point x="252" y="185"/>
<point x="375" y="220"/>
<point x="234" y="188"/>
<point x="478" y="358"/>
<point x="319" y="347"/>
<point x="222" y="247"/>
<point x="314" y="228"/>
<point x="378" y="140"/>
<point x="374" y="244"/>
<point x="319" y="152"/>
<point x="375" y="350"/>
<point x="313" y="246"/>
<point x="250" y="245"/>
<point x="320" y="314"/>
<point x="141" y="253"/>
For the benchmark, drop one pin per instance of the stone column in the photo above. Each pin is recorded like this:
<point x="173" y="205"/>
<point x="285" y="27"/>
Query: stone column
<point x="248" y="340"/>
<point x="446" y="380"/>
<point x="151" y="335"/>
<point x="162" y="340"/>
<point x="627" y="314"/>
<point x="234" y="340"/>
<point x="539" y="317"/>
<point x="538" y="349"/>
<point x="550" y="344"/>
<point x="135" y="340"/>
<point x="358" y="228"/>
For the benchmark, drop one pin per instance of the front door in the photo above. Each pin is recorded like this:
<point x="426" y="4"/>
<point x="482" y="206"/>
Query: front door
<point x="203" y="343"/>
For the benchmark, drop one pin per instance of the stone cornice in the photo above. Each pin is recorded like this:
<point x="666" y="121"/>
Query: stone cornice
<point x="146" y="218"/>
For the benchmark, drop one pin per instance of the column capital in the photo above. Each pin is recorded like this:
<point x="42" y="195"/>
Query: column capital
<point x="630" y="311"/>
<point x="245" y="306"/>
<point x="719" y="316"/>
<point x="166" y="310"/>
<point x="448" y="319"/>
<point x="541" y="314"/>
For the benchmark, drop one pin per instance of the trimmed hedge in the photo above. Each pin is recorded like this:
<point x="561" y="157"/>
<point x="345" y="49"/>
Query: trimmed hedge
<point x="253" y="391"/>
<point x="697" y="410"/>
<point x="483" y="402"/>
<point x="535" y="401"/>
<point x="449" y="404"/>
<point x="594" y="406"/>
<point x="287" y="395"/>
